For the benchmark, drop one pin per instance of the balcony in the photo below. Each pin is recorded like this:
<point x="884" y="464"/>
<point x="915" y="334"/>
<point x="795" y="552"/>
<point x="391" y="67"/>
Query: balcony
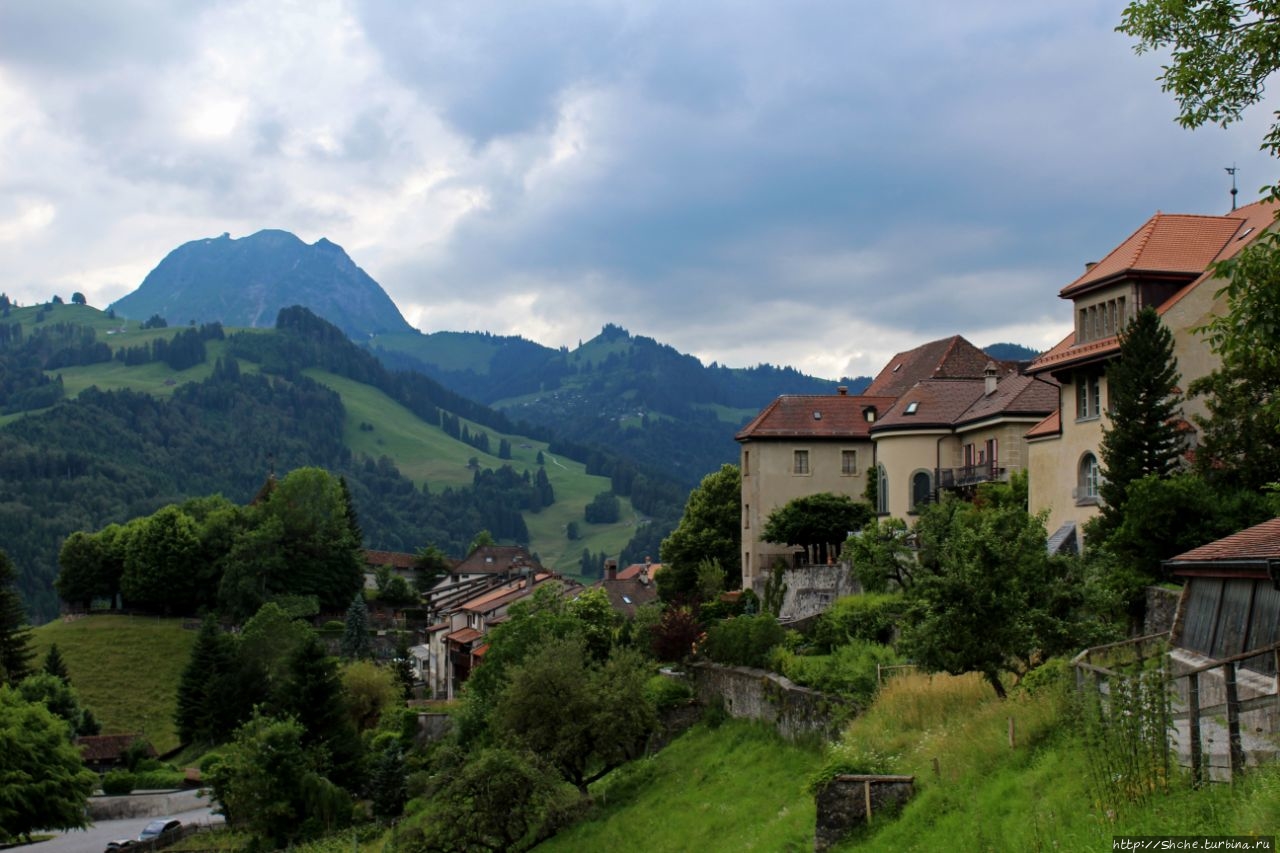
<point x="970" y="475"/>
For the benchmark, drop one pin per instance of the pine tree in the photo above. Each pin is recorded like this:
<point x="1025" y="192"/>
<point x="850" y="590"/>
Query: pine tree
<point x="1142" y="438"/>
<point x="15" y="633"/>
<point x="54" y="664"/>
<point x="312" y="693"/>
<point x="355" y="637"/>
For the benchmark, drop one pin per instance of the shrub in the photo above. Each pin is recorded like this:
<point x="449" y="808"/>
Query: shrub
<point x="848" y="671"/>
<point x="159" y="780"/>
<point x="870" y="617"/>
<point x="666" y="692"/>
<point x="744" y="640"/>
<point x="117" y="783"/>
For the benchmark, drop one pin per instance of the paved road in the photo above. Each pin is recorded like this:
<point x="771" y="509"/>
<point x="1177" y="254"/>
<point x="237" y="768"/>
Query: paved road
<point x="95" y="838"/>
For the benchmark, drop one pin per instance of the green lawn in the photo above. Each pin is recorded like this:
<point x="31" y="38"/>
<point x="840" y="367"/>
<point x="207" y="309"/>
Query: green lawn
<point x="738" y="787"/>
<point x="125" y="668"/>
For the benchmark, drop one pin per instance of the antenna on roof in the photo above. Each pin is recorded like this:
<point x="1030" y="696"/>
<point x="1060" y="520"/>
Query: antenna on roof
<point x="1231" y="170"/>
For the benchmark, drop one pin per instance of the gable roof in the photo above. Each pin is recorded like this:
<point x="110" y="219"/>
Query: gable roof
<point x="101" y="748"/>
<point x="815" y="416"/>
<point x="1050" y="426"/>
<point x="490" y="559"/>
<point x="947" y="358"/>
<point x="626" y="595"/>
<point x="1253" y="547"/>
<point x="395" y="559"/>
<point x="635" y="569"/>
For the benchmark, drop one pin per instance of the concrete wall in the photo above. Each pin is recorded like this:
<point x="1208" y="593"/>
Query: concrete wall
<point x="757" y="694"/>
<point x="811" y="590"/>
<point x="842" y="804"/>
<point x="145" y="805"/>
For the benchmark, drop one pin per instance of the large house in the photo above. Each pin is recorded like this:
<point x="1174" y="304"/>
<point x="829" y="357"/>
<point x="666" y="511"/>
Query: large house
<point x="1166" y="264"/>
<point x="940" y="416"/>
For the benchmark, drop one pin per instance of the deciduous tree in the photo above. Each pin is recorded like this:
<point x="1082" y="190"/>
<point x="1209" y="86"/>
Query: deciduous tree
<point x="710" y="529"/>
<point x="818" y="523"/>
<point x="45" y="784"/>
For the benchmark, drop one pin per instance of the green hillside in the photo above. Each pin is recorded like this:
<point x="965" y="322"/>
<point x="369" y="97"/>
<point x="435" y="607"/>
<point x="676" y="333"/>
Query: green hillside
<point x="126" y="670"/>
<point x="376" y="426"/>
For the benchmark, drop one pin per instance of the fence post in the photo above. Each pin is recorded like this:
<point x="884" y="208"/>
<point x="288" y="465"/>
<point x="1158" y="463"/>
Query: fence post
<point x="866" y="793"/>
<point x="1233" y="721"/>
<point x="1193" y="720"/>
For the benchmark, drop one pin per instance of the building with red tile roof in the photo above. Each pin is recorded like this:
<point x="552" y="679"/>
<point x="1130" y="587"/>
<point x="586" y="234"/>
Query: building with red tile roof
<point x="805" y="444"/>
<point x="1166" y="264"/>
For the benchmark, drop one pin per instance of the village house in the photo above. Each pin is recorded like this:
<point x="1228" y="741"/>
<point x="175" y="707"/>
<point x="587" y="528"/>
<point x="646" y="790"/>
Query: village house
<point x="630" y="588"/>
<point x="1166" y="264"/>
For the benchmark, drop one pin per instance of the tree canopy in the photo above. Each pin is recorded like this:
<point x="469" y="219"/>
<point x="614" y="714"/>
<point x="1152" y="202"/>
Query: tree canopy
<point x="818" y="523"/>
<point x="46" y="785"/>
<point x="710" y="529"/>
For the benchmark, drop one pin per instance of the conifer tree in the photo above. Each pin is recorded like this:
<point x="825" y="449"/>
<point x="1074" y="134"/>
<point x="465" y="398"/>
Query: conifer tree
<point x="1142" y="438"/>
<point x="15" y="633"/>
<point x="312" y="694"/>
<point x="355" y="637"/>
<point x="55" y="666"/>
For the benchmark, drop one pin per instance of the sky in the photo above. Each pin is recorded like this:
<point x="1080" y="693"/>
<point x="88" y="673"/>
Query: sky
<point x="817" y="183"/>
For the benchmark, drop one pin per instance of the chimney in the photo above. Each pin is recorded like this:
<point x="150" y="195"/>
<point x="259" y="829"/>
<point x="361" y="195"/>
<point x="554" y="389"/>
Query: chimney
<point x="611" y="570"/>
<point x="1088" y="265"/>
<point x="989" y="374"/>
<point x="842" y="390"/>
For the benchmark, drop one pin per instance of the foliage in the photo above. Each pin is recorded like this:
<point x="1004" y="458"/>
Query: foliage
<point x="368" y="691"/>
<point x="818" y="523"/>
<point x="159" y="554"/>
<point x="995" y="599"/>
<point x="775" y="588"/>
<point x="217" y="690"/>
<point x="1221" y="54"/>
<point x="871" y="617"/>
<point x="880" y="557"/>
<point x="672" y="639"/>
<point x="54" y="664"/>
<point x="269" y="639"/>
<point x="711" y="577"/>
<point x="45" y="783"/>
<point x="743" y="640"/>
<point x="270" y="783"/>
<point x="499" y="800"/>
<point x="15" y="633"/>
<point x="117" y="783"/>
<point x="850" y="670"/>
<point x="665" y="693"/>
<point x="603" y="509"/>
<point x="597" y="621"/>
<point x="430" y="565"/>
<point x="710" y="529"/>
<point x="312" y="694"/>
<point x="356" y="643"/>
<point x="1142" y="438"/>
<point x="582" y="718"/>
<point x="1243" y="395"/>
<point x="61" y="700"/>
<point x="387" y="789"/>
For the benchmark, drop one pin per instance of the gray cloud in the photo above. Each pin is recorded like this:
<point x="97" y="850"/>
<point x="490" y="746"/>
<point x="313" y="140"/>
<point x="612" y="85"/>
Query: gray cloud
<point x="819" y="183"/>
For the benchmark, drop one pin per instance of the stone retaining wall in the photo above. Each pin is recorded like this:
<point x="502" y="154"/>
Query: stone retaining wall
<point x="1162" y="606"/>
<point x="757" y="694"/>
<point x="811" y="590"/>
<point x="843" y="802"/>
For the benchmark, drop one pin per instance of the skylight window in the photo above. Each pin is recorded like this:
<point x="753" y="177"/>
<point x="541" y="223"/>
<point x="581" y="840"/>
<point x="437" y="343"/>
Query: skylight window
<point x="911" y="408"/>
<point x="817" y="416"/>
<point x="627" y="599"/>
<point x="1246" y="233"/>
<point x="897" y="367"/>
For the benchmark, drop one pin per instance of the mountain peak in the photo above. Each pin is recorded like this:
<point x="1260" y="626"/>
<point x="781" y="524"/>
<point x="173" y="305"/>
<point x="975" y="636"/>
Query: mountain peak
<point x="246" y="281"/>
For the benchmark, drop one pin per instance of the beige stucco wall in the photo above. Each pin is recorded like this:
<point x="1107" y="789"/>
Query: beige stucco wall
<point x="1053" y="464"/>
<point x="1195" y="359"/>
<point x="768" y="482"/>
<point x="902" y="455"/>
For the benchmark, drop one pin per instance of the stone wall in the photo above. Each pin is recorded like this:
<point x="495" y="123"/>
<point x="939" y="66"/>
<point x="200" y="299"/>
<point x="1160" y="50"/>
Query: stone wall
<point x="1162" y="606"/>
<point x="757" y="694"/>
<point x="811" y="590"/>
<point x="431" y="728"/>
<point x="842" y="804"/>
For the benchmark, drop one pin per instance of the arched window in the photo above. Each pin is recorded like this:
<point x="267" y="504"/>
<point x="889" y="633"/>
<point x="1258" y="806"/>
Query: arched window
<point x="882" y="490"/>
<point x="1087" y="479"/>
<point x="921" y="489"/>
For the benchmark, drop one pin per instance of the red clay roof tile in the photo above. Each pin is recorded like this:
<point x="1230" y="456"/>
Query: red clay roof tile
<point x="1260" y="542"/>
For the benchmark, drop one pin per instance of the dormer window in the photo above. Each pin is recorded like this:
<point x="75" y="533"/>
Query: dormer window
<point x="869" y="414"/>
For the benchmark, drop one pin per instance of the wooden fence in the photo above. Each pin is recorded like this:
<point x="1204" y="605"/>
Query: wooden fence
<point x="1095" y="666"/>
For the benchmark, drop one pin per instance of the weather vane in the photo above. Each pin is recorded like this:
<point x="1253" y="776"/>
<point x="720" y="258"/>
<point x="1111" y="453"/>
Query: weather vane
<point x="1231" y="170"/>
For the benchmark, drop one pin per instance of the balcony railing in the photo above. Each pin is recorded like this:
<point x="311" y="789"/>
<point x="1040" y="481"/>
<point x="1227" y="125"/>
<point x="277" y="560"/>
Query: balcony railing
<point x="969" y="475"/>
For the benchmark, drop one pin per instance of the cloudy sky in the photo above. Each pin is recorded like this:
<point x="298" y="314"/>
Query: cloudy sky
<point x="818" y="183"/>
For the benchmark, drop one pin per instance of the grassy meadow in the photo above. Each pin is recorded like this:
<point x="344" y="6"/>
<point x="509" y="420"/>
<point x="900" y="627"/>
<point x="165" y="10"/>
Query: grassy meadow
<point x="125" y="668"/>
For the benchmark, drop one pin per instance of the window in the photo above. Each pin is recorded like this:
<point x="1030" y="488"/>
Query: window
<point x="921" y="489"/>
<point x="746" y="516"/>
<point x="1087" y="487"/>
<point x="849" y="463"/>
<point x="1088" y="397"/>
<point x="746" y="462"/>
<point x="882" y="490"/>
<point x="912" y="408"/>
<point x="801" y="465"/>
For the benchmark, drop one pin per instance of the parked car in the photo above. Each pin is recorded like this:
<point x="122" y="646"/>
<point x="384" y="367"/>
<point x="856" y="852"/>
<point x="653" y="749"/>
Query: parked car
<point x="159" y="827"/>
<point x="120" y="844"/>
